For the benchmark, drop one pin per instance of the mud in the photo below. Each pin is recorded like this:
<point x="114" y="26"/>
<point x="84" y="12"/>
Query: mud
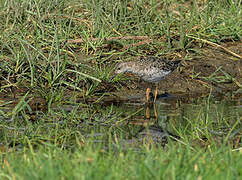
<point x="214" y="71"/>
<point x="211" y="70"/>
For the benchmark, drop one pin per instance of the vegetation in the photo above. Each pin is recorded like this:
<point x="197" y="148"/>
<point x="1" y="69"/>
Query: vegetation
<point x="56" y="60"/>
<point x="177" y="163"/>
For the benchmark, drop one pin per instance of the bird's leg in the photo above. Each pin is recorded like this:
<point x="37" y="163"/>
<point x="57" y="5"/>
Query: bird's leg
<point x="147" y="112"/>
<point x="156" y="93"/>
<point x="155" y="112"/>
<point x="148" y="90"/>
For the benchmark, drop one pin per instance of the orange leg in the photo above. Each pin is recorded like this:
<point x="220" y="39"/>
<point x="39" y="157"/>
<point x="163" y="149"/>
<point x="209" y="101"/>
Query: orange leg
<point x="156" y="93"/>
<point x="148" y="90"/>
<point x="155" y="112"/>
<point x="147" y="113"/>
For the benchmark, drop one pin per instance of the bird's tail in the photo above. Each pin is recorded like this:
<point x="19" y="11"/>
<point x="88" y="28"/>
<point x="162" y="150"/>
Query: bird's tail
<point x="176" y="64"/>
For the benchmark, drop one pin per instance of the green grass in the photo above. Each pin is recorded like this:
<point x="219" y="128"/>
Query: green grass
<point x="64" y="136"/>
<point x="177" y="163"/>
<point x="92" y="141"/>
<point x="35" y="53"/>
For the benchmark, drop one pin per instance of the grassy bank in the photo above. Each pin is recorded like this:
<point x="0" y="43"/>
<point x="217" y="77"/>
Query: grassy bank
<point x="177" y="163"/>
<point x="38" y="52"/>
<point x="71" y="142"/>
<point x="56" y="60"/>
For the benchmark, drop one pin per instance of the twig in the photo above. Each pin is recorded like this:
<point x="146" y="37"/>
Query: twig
<point x="111" y="38"/>
<point x="202" y="82"/>
<point x="216" y="45"/>
<point x="136" y="44"/>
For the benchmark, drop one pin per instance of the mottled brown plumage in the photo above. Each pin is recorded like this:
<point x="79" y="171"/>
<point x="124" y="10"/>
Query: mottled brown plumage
<point x="150" y="69"/>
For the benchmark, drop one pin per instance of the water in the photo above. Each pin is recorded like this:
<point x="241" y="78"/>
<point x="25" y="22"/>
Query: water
<point x="170" y="119"/>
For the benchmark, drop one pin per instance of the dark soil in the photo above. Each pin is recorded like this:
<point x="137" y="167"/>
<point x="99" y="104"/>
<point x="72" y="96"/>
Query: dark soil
<point x="198" y="75"/>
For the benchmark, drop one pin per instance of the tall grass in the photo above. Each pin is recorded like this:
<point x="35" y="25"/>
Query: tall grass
<point x="72" y="138"/>
<point x="35" y="52"/>
<point x="178" y="163"/>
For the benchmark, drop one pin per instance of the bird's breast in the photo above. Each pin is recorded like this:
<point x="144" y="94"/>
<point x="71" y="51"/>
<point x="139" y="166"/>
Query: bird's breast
<point x="154" y="76"/>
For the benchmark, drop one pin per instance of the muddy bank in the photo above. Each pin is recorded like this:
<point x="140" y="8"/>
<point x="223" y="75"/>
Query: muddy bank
<point x="213" y="71"/>
<point x="210" y="70"/>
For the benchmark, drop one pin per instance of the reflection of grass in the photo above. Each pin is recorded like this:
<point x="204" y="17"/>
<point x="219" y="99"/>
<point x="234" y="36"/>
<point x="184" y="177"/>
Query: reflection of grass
<point x="36" y="55"/>
<point x="80" y="140"/>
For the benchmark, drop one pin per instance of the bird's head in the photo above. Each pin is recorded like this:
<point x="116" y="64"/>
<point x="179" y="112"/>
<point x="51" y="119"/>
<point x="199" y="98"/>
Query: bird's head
<point x="120" y="69"/>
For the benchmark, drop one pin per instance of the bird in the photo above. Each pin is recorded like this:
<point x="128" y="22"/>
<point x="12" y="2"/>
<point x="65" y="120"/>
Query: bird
<point x="150" y="69"/>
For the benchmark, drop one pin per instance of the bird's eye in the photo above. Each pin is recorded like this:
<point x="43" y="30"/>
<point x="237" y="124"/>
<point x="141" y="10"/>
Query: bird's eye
<point x="118" y="68"/>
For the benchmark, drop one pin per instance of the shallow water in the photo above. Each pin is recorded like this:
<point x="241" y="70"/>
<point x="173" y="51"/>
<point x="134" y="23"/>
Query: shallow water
<point x="126" y="123"/>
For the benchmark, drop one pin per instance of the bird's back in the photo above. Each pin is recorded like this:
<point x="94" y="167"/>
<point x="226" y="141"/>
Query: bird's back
<point x="153" y="69"/>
